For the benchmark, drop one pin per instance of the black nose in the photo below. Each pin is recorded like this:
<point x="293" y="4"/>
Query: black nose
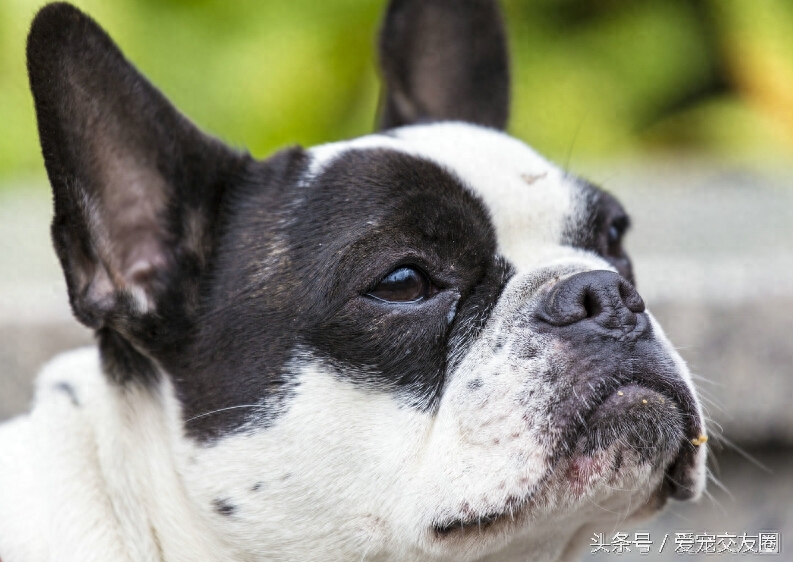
<point x="601" y="297"/>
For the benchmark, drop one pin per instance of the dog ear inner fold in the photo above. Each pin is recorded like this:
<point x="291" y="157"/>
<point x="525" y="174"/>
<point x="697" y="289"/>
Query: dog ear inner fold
<point x="444" y="60"/>
<point x="136" y="186"/>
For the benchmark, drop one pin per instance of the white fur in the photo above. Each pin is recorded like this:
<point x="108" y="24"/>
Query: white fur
<point x="120" y="482"/>
<point x="96" y="481"/>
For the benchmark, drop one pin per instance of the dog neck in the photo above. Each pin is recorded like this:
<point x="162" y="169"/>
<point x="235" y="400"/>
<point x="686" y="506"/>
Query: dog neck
<point x="108" y="470"/>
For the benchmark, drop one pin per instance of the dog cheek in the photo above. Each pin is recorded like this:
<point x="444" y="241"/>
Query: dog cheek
<point x="485" y="432"/>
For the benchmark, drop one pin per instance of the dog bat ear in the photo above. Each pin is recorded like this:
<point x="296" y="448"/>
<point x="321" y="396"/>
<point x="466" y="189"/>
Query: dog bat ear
<point x="134" y="182"/>
<point x="444" y="60"/>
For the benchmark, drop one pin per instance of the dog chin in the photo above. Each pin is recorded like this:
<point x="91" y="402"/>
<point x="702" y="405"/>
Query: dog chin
<point x="614" y="485"/>
<point x="617" y="471"/>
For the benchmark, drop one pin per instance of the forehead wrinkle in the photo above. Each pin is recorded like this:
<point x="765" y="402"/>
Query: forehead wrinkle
<point x="529" y="216"/>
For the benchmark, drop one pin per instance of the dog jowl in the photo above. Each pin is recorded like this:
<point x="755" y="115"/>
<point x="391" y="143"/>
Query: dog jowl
<point x="421" y="344"/>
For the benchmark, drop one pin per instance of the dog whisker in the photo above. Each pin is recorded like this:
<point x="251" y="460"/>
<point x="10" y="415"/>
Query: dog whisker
<point x="699" y="378"/>
<point x="593" y="502"/>
<point x="714" y="501"/>
<point x="745" y="454"/>
<point x="714" y="425"/>
<point x="252" y="406"/>
<point x="719" y="484"/>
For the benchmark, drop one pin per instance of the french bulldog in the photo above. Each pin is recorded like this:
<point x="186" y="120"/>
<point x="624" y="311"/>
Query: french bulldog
<point x="421" y="344"/>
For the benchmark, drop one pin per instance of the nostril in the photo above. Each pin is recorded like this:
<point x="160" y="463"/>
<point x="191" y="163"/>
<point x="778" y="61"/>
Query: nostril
<point x="591" y="304"/>
<point x="602" y="297"/>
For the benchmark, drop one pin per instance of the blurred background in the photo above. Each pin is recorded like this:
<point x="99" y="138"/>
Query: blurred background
<point x="683" y="108"/>
<point x="592" y="78"/>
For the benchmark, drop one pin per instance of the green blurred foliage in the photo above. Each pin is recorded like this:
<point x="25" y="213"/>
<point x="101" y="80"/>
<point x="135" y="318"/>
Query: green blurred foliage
<point x="592" y="78"/>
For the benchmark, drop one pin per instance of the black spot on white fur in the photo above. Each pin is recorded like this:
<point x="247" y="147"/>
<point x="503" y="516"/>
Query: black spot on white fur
<point x="223" y="506"/>
<point x="67" y="389"/>
<point x="475" y="384"/>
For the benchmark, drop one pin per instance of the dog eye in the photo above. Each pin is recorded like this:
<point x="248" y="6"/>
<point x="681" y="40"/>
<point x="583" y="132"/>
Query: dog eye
<point x="613" y="235"/>
<point x="616" y="230"/>
<point x="404" y="284"/>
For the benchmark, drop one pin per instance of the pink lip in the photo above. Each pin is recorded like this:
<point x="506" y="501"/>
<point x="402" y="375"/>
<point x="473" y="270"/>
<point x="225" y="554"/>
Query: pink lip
<point x="583" y="469"/>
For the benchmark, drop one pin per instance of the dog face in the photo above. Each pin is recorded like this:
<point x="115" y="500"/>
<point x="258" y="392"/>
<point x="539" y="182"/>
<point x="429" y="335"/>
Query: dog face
<point x="419" y="344"/>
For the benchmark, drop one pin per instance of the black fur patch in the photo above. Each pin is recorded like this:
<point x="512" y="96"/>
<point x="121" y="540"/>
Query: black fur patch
<point x="291" y="277"/>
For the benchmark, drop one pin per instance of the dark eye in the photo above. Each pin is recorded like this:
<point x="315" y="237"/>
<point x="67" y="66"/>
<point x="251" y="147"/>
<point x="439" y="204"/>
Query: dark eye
<point x="616" y="230"/>
<point x="614" y="235"/>
<point x="404" y="284"/>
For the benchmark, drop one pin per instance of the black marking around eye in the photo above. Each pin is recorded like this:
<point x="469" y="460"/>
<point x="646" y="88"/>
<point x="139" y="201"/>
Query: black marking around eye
<point x="587" y="227"/>
<point x="290" y="275"/>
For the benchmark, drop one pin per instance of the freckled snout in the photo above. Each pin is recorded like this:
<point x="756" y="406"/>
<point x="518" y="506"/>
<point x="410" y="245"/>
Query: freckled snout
<point x="611" y="352"/>
<point x="601" y="300"/>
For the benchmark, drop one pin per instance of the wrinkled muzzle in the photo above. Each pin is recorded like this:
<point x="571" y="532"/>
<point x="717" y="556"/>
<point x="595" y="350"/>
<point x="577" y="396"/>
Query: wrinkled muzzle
<point x="571" y="391"/>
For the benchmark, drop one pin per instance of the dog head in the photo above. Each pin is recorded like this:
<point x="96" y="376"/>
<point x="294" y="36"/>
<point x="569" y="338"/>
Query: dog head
<point x="419" y="344"/>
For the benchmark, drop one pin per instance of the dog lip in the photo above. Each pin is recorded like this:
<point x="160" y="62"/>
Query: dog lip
<point x="463" y="526"/>
<point x="470" y="523"/>
<point x="678" y="482"/>
<point x="677" y="478"/>
<point x="675" y="392"/>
